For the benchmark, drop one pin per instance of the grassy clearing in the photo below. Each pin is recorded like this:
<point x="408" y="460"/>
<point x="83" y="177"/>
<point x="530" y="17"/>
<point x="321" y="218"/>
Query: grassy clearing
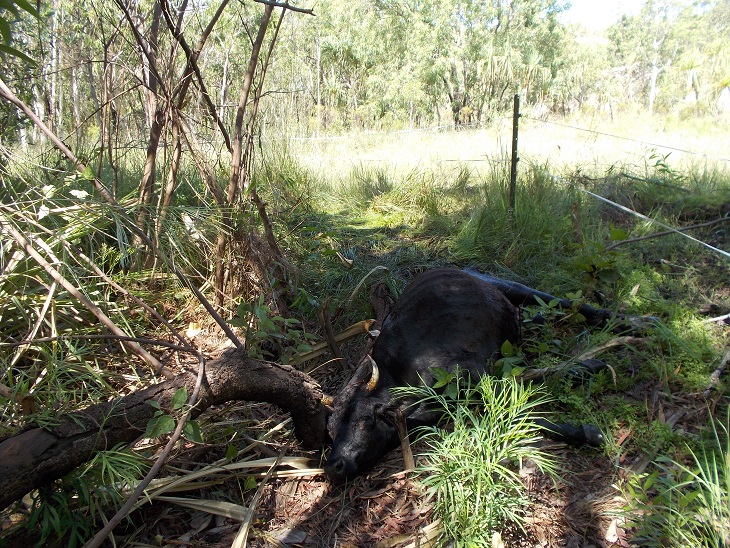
<point x="586" y="145"/>
<point x="372" y="195"/>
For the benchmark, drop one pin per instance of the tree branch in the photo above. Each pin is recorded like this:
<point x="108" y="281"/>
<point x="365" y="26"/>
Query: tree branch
<point x="192" y="67"/>
<point x="286" y="6"/>
<point x="24" y="243"/>
<point x="8" y="95"/>
<point x="129" y="504"/>
<point x="38" y="456"/>
<point x="666" y="233"/>
<point x="716" y="374"/>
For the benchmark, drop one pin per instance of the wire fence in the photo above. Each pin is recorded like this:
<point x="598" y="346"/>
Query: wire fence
<point x="630" y="139"/>
<point x="354" y="154"/>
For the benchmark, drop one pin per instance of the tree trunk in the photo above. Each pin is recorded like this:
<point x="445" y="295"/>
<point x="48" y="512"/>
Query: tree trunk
<point x="224" y="86"/>
<point x="172" y="173"/>
<point x="52" y="119"/>
<point x="38" y="456"/>
<point x="156" y="123"/>
<point x="236" y="160"/>
<point x="653" y="90"/>
<point x="92" y="88"/>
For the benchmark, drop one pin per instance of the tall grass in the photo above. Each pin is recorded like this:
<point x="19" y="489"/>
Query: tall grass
<point x="686" y="504"/>
<point x="539" y="231"/>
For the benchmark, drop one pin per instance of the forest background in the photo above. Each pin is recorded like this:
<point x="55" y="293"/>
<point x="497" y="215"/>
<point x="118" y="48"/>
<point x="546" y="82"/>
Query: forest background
<point x="364" y="65"/>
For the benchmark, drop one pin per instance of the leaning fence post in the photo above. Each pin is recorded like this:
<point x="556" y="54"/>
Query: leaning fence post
<point x="515" y="159"/>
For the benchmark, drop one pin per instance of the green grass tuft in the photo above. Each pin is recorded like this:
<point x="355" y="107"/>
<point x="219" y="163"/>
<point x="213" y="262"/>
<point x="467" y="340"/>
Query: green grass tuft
<point x="472" y="472"/>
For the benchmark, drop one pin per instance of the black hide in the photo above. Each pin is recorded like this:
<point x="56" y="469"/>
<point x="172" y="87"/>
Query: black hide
<point x="445" y="318"/>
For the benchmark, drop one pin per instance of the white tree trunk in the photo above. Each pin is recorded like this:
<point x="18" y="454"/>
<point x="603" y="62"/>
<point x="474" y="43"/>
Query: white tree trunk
<point x="653" y="88"/>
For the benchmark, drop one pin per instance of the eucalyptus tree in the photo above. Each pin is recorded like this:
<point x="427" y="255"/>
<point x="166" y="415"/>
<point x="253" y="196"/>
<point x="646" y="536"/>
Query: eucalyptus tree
<point x="17" y="54"/>
<point x="476" y="53"/>
<point x="702" y="68"/>
<point x="645" y="46"/>
<point x="350" y="51"/>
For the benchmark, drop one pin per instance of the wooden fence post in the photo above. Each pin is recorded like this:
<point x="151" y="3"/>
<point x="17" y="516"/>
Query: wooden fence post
<point x="515" y="158"/>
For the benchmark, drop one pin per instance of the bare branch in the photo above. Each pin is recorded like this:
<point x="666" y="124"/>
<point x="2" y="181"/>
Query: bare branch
<point x="666" y="233"/>
<point x="7" y="94"/>
<point x="128" y="506"/>
<point x="717" y="373"/>
<point x="286" y="6"/>
<point x="192" y="66"/>
<point x="84" y="336"/>
<point x="24" y="243"/>
<point x="142" y="43"/>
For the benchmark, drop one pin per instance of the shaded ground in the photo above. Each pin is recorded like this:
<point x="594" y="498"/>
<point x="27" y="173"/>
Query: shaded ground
<point x="388" y="507"/>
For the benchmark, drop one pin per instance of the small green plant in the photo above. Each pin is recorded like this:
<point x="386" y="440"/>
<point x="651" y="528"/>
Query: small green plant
<point x="261" y="327"/>
<point x="472" y="471"/>
<point x="513" y="360"/>
<point x="163" y="423"/>
<point x="66" y="512"/>
<point x="597" y="266"/>
<point x="679" y="505"/>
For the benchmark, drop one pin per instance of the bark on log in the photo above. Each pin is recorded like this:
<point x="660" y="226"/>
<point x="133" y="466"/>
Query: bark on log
<point x="38" y="456"/>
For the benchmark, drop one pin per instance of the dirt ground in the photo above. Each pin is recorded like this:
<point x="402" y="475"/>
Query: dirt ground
<point x="389" y="508"/>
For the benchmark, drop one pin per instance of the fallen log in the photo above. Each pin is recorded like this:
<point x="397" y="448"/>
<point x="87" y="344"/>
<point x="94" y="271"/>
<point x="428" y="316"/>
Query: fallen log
<point x="38" y="456"/>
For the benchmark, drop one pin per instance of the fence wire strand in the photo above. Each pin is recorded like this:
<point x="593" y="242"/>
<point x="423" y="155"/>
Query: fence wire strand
<point x="565" y="181"/>
<point x="622" y="138"/>
<point x="639" y="215"/>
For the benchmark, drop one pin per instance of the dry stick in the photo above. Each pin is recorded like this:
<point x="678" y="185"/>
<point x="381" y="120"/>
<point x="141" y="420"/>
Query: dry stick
<point x="237" y="154"/>
<point x="39" y="321"/>
<point x="142" y="44"/>
<point x="206" y="173"/>
<point x="68" y="286"/>
<point x="717" y="319"/>
<point x="76" y="252"/>
<point x="255" y="198"/>
<point x="321" y="347"/>
<point x="717" y="373"/>
<point x="286" y="6"/>
<point x="618" y="341"/>
<point x="405" y="444"/>
<point x="175" y="333"/>
<point x="180" y="92"/>
<point x="666" y="233"/>
<point x="131" y="501"/>
<point x="328" y="331"/>
<point x="192" y="66"/>
<point x="242" y="535"/>
<point x="153" y="342"/>
<point x="7" y="94"/>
